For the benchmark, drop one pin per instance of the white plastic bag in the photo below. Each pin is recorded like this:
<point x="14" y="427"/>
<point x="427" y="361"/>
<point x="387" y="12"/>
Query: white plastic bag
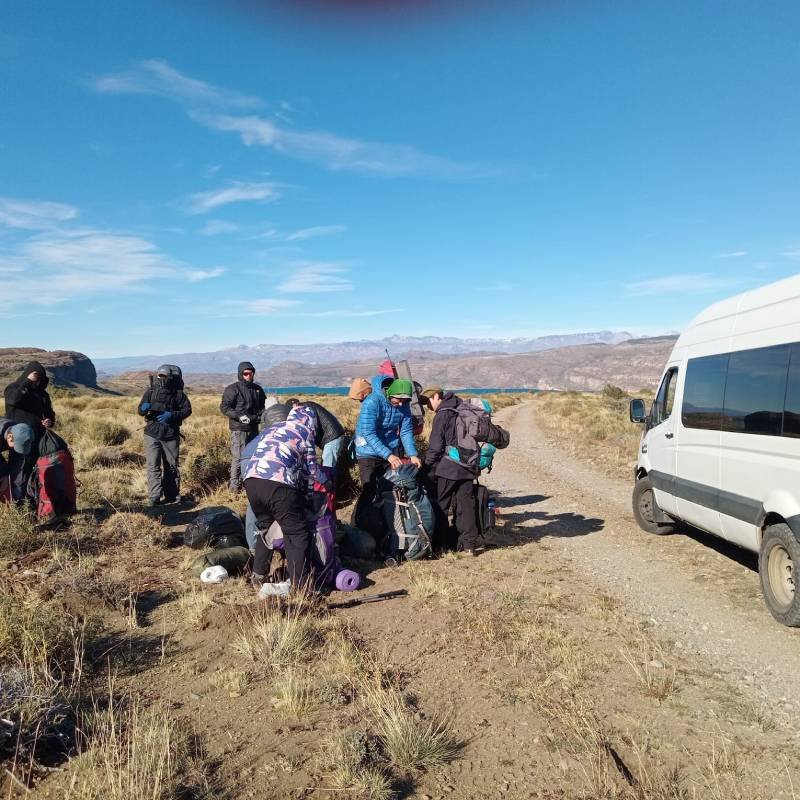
<point x="280" y="589"/>
<point x="214" y="574"/>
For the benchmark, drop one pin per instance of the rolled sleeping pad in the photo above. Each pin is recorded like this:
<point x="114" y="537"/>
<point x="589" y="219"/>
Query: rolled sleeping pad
<point x="347" y="580"/>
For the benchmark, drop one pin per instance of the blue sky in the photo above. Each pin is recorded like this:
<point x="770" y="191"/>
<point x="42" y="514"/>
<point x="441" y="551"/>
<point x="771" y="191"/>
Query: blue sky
<point x="180" y="176"/>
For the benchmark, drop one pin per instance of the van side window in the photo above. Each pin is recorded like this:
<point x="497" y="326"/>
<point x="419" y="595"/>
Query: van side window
<point x="665" y="399"/>
<point x="704" y="392"/>
<point x="791" y="415"/>
<point x="755" y="390"/>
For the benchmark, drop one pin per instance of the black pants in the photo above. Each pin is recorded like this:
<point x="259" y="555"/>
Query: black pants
<point x="458" y="496"/>
<point x="369" y="517"/>
<point x="276" y="502"/>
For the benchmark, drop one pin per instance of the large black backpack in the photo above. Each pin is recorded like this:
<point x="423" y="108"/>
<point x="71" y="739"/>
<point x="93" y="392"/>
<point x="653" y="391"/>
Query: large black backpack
<point x="215" y="527"/>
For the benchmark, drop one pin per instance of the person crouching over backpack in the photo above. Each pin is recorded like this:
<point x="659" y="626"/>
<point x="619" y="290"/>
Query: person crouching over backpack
<point x="17" y="438"/>
<point x="384" y="423"/>
<point x="283" y="464"/>
<point x="165" y="407"/>
<point x="243" y="403"/>
<point x="453" y="482"/>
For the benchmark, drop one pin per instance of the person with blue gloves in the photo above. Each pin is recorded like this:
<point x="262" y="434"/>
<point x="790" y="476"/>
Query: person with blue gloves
<point x="164" y="406"/>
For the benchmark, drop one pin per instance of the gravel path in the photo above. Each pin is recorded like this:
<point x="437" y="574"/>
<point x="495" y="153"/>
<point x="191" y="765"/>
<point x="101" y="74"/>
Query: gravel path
<point x="694" y="589"/>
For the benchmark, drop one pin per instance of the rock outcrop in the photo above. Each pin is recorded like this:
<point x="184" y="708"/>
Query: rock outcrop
<point x="65" y="367"/>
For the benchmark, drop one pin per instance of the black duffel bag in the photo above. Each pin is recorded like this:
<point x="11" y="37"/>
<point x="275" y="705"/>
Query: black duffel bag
<point x="216" y="526"/>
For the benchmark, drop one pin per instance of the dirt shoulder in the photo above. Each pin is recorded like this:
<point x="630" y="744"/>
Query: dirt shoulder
<point x="690" y="587"/>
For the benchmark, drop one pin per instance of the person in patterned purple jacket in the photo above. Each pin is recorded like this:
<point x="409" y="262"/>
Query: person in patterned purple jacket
<point x="283" y="465"/>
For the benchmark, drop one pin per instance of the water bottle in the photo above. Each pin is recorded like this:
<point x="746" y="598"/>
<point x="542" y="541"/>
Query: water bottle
<point x="490" y="506"/>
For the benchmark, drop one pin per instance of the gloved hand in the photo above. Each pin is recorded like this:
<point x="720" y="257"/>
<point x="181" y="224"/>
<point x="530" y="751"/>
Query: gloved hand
<point x="244" y="419"/>
<point x="164" y="417"/>
<point x="145" y="406"/>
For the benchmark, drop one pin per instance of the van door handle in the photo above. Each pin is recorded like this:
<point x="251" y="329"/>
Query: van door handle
<point x="668" y="435"/>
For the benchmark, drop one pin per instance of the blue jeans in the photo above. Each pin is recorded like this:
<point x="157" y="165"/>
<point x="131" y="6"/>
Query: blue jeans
<point x="332" y="452"/>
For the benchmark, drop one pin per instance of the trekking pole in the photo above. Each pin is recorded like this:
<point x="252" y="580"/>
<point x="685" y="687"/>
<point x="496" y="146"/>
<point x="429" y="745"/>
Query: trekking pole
<point x="371" y="598"/>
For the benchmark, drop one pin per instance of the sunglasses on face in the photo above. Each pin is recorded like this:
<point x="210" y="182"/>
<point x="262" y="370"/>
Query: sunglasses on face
<point x="248" y="372"/>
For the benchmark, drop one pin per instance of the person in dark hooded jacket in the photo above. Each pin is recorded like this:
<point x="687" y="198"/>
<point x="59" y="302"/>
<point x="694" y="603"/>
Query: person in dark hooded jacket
<point x="164" y="406"/>
<point x="243" y="403"/>
<point x="453" y="482"/>
<point x="27" y="401"/>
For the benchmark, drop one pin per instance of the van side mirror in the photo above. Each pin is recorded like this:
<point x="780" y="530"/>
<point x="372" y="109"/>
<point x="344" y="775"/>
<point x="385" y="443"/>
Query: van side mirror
<point x="638" y="411"/>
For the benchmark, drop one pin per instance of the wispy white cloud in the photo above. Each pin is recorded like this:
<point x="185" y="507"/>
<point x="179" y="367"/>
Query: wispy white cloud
<point x="790" y="254"/>
<point x="34" y="215"/>
<point x="197" y="275"/>
<point x="214" y="227"/>
<point x="311" y="277"/>
<point x="235" y="192"/>
<point x="336" y="152"/>
<point x="157" y="77"/>
<point x="347" y="312"/>
<point x="674" y="284"/>
<point x="55" y="265"/>
<point x="734" y="254"/>
<point x="312" y="233"/>
<point x="262" y="306"/>
<point x="207" y="105"/>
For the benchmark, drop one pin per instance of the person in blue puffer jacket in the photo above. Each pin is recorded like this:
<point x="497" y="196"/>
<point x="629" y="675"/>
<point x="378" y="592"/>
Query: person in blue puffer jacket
<point x="384" y="423"/>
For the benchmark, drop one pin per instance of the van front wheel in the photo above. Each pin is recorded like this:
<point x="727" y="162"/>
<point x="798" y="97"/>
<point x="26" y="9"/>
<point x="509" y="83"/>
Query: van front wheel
<point x="645" y="509"/>
<point x="779" y="570"/>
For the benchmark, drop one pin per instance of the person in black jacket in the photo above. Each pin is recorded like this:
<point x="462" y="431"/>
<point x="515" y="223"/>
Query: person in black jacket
<point x="330" y="433"/>
<point x="27" y="401"/>
<point x="453" y="482"/>
<point x="243" y="403"/>
<point x="165" y="406"/>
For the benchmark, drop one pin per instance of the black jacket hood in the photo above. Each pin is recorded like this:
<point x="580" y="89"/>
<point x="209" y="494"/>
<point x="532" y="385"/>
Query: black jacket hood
<point x="243" y="365"/>
<point x="35" y="366"/>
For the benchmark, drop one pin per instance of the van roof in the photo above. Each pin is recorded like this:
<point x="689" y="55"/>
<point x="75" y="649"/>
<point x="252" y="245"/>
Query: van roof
<point x="778" y="292"/>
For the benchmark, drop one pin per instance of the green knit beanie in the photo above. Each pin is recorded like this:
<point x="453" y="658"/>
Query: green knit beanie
<point x="400" y="388"/>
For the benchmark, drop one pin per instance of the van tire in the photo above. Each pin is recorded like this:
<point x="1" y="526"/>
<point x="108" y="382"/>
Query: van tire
<point x="645" y="508"/>
<point x="779" y="571"/>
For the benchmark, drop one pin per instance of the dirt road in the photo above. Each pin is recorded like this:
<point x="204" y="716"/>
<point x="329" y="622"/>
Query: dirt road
<point x="692" y="588"/>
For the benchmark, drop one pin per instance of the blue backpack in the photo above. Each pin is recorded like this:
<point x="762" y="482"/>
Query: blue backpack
<point x="407" y="513"/>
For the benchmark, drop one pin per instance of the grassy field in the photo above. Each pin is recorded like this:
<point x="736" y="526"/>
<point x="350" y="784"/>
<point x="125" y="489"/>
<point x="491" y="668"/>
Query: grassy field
<point x="593" y="427"/>
<point x="124" y="678"/>
<point x="78" y="630"/>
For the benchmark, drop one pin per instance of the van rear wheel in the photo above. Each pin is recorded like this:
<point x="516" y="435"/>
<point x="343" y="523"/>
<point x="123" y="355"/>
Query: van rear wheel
<point x="779" y="571"/>
<point x="645" y="509"/>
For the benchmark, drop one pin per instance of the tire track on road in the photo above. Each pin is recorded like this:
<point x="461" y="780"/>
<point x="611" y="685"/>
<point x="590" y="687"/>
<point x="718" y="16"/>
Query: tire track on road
<point x="702" y="594"/>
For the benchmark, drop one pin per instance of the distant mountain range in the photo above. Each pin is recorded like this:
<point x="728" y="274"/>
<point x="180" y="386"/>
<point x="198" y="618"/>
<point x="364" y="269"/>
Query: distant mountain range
<point x="632" y="365"/>
<point x="266" y="356"/>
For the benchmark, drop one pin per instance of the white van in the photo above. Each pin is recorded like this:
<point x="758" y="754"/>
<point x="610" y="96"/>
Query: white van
<point x="721" y="444"/>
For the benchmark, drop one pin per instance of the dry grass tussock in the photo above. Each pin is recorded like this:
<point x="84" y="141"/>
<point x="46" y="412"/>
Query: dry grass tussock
<point x="594" y="426"/>
<point x="313" y="659"/>
<point x="18" y="534"/>
<point x="41" y="678"/>
<point x="137" y="753"/>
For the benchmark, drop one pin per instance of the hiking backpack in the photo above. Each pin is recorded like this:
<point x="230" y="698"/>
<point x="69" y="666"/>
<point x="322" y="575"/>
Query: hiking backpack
<point x="52" y="485"/>
<point x="217" y="527"/>
<point x="486" y="509"/>
<point x="474" y="429"/>
<point x="407" y="512"/>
